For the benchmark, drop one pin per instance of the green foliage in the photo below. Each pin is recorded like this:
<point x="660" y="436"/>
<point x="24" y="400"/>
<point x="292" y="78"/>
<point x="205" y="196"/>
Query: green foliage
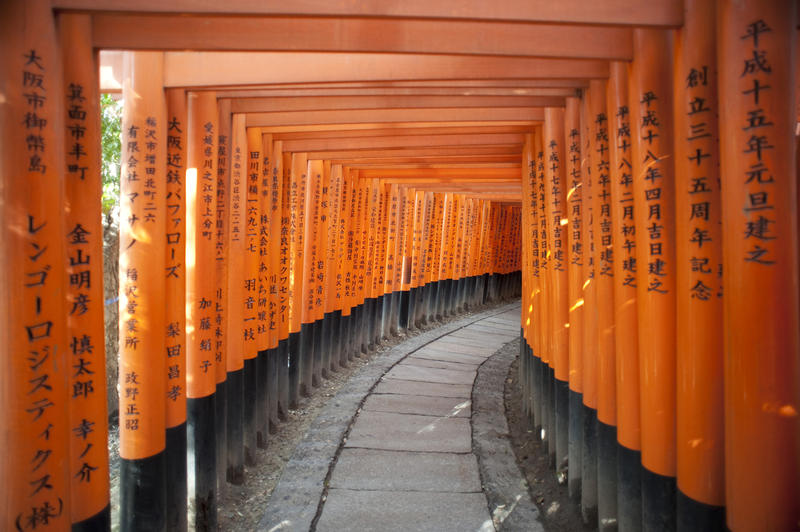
<point x="111" y="139"/>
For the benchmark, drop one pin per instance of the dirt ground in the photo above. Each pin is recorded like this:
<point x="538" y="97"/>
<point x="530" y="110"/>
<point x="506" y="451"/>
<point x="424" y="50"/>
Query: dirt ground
<point x="241" y="507"/>
<point x="557" y="512"/>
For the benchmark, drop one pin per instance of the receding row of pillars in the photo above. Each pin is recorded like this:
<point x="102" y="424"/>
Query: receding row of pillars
<point x="247" y="275"/>
<point x="661" y="360"/>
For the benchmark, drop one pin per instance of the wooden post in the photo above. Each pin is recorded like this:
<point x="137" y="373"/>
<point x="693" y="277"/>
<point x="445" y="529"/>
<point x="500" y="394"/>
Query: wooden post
<point x="254" y="327"/>
<point x="201" y="381"/>
<point x="221" y="258"/>
<point x="604" y="285"/>
<point x="175" y="310"/>
<point x="757" y="84"/>
<point x="558" y="323"/>
<point x="311" y="365"/>
<point x="284" y="380"/>
<point x="296" y="208"/>
<point x="576" y="246"/>
<point x="90" y="508"/>
<point x="37" y="463"/>
<point x="590" y="351"/>
<point x="332" y="273"/>
<point x="650" y="95"/>
<point x="629" y="459"/>
<point x="264" y="272"/>
<point x="237" y="327"/>
<point x="700" y="376"/>
<point x="276" y="359"/>
<point x="142" y="283"/>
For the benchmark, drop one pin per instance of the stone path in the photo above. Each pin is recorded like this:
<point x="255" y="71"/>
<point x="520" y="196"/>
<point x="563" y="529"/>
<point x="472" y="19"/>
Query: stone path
<point x="407" y="462"/>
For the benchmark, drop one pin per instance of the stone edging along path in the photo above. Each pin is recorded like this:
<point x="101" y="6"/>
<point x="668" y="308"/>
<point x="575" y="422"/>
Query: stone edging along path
<point x="295" y="502"/>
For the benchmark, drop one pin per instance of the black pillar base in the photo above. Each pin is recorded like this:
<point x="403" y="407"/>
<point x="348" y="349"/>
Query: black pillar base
<point x="629" y="489"/>
<point x="176" y="473"/>
<point x="202" y="463"/>
<point x="589" y="467"/>
<point x="562" y="424"/>
<point x="316" y="377"/>
<point x="220" y="416"/>
<point x="262" y="400"/>
<point x="250" y="439"/>
<point x="575" y="443"/>
<point x="273" y="356"/>
<point x="306" y="359"/>
<point x="283" y="378"/>
<point x="696" y="516"/>
<point x="294" y="369"/>
<point x="606" y="476"/>
<point x="659" y="505"/>
<point x="101" y="522"/>
<point x="143" y="493"/>
<point x="234" y="471"/>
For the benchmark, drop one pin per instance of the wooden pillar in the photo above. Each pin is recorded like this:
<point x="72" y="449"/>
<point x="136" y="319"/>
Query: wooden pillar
<point x="343" y="269"/>
<point x="237" y="327"/>
<point x="296" y="208"/>
<point x="284" y="380"/>
<point x="650" y="95"/>
<point x="322" y="340"/>
<point x="201" y="380"/>
<point x="175" y="307"/>
<point x="629" y="459"/>
<point x="700" y="377"/>
<point x="576" y="252"/>
<point x="220" y="317"/>
<point x="558" y="320"/>
<point x="142" y="370"/>
<point x="332" y="273"/>
<point x="90" y="508"/>
<point x="264" y="272"/>
<point x="37" y="463"/>
<point x="590" y="349"/>
<point x="254" y="327"/>
<point x="604" y="285"/>
<point x="310" y="364"/>
<point x="757" y="76"/>
<point x="276" y="361"/>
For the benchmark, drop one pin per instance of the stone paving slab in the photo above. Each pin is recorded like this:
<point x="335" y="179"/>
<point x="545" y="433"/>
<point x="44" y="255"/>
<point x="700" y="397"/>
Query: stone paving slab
<point x="496" y="336"/>
<point x="453" y="358"/>
<point x="460" y="347"/>
<point x="491" y="329"/>
<point x="369" y="469"/>
<point x="403" y="511"/>
<point x="442" y="376"/>
<point x="439" y="364"/>
<point x="420" y="405"/>
<point x="409" y="432"/>
<point x="428" y="389"/>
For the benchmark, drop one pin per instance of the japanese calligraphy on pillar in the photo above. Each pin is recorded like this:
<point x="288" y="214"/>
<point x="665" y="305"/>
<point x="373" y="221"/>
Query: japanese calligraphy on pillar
<point x="624" y="173"/>
<point x="84" y="246"/>
<point x="760" y="226"/>
<point x="252" y="228"/>
<point x="657" y="209"/>
<point x="237" y="201"/>
<point x="38" y="493"/>
<point x="602" y="191"/>
<point x="142" y="382"/>
<point x="176" y="252"/>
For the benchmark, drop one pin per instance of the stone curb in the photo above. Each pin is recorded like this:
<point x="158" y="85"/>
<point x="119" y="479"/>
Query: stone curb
<point x="505" y="487"/>
<point x="294" y="501"/>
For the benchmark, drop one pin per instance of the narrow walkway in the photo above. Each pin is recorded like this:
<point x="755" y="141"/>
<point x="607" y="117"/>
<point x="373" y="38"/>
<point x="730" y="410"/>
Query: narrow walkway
<point x="408" y="463"/>
<point x="394" y="449"/>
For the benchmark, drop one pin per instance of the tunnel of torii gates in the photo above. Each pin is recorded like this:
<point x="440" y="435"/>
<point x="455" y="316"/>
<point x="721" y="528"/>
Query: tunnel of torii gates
<point x="300" y="182"/>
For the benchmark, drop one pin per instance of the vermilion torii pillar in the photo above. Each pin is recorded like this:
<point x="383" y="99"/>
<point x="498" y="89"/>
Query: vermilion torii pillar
<point x="201" y="380"/>
<point x="651" y="99"/>
<point x="757" y="75"/>
<point x="629" y="491"/>
<point x="175" y="308"/>
<point x="576" y="256"/>
<point x="90" y="509"/>
<point x="36" y="464"/>
<point x="555" y="207"/>
<point x="142" y="268"/>
<point x="700" y="381"/>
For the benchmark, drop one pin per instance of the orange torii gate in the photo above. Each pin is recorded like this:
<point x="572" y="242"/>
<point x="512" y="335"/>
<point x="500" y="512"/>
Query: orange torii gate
<point x="290" y="197"/>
